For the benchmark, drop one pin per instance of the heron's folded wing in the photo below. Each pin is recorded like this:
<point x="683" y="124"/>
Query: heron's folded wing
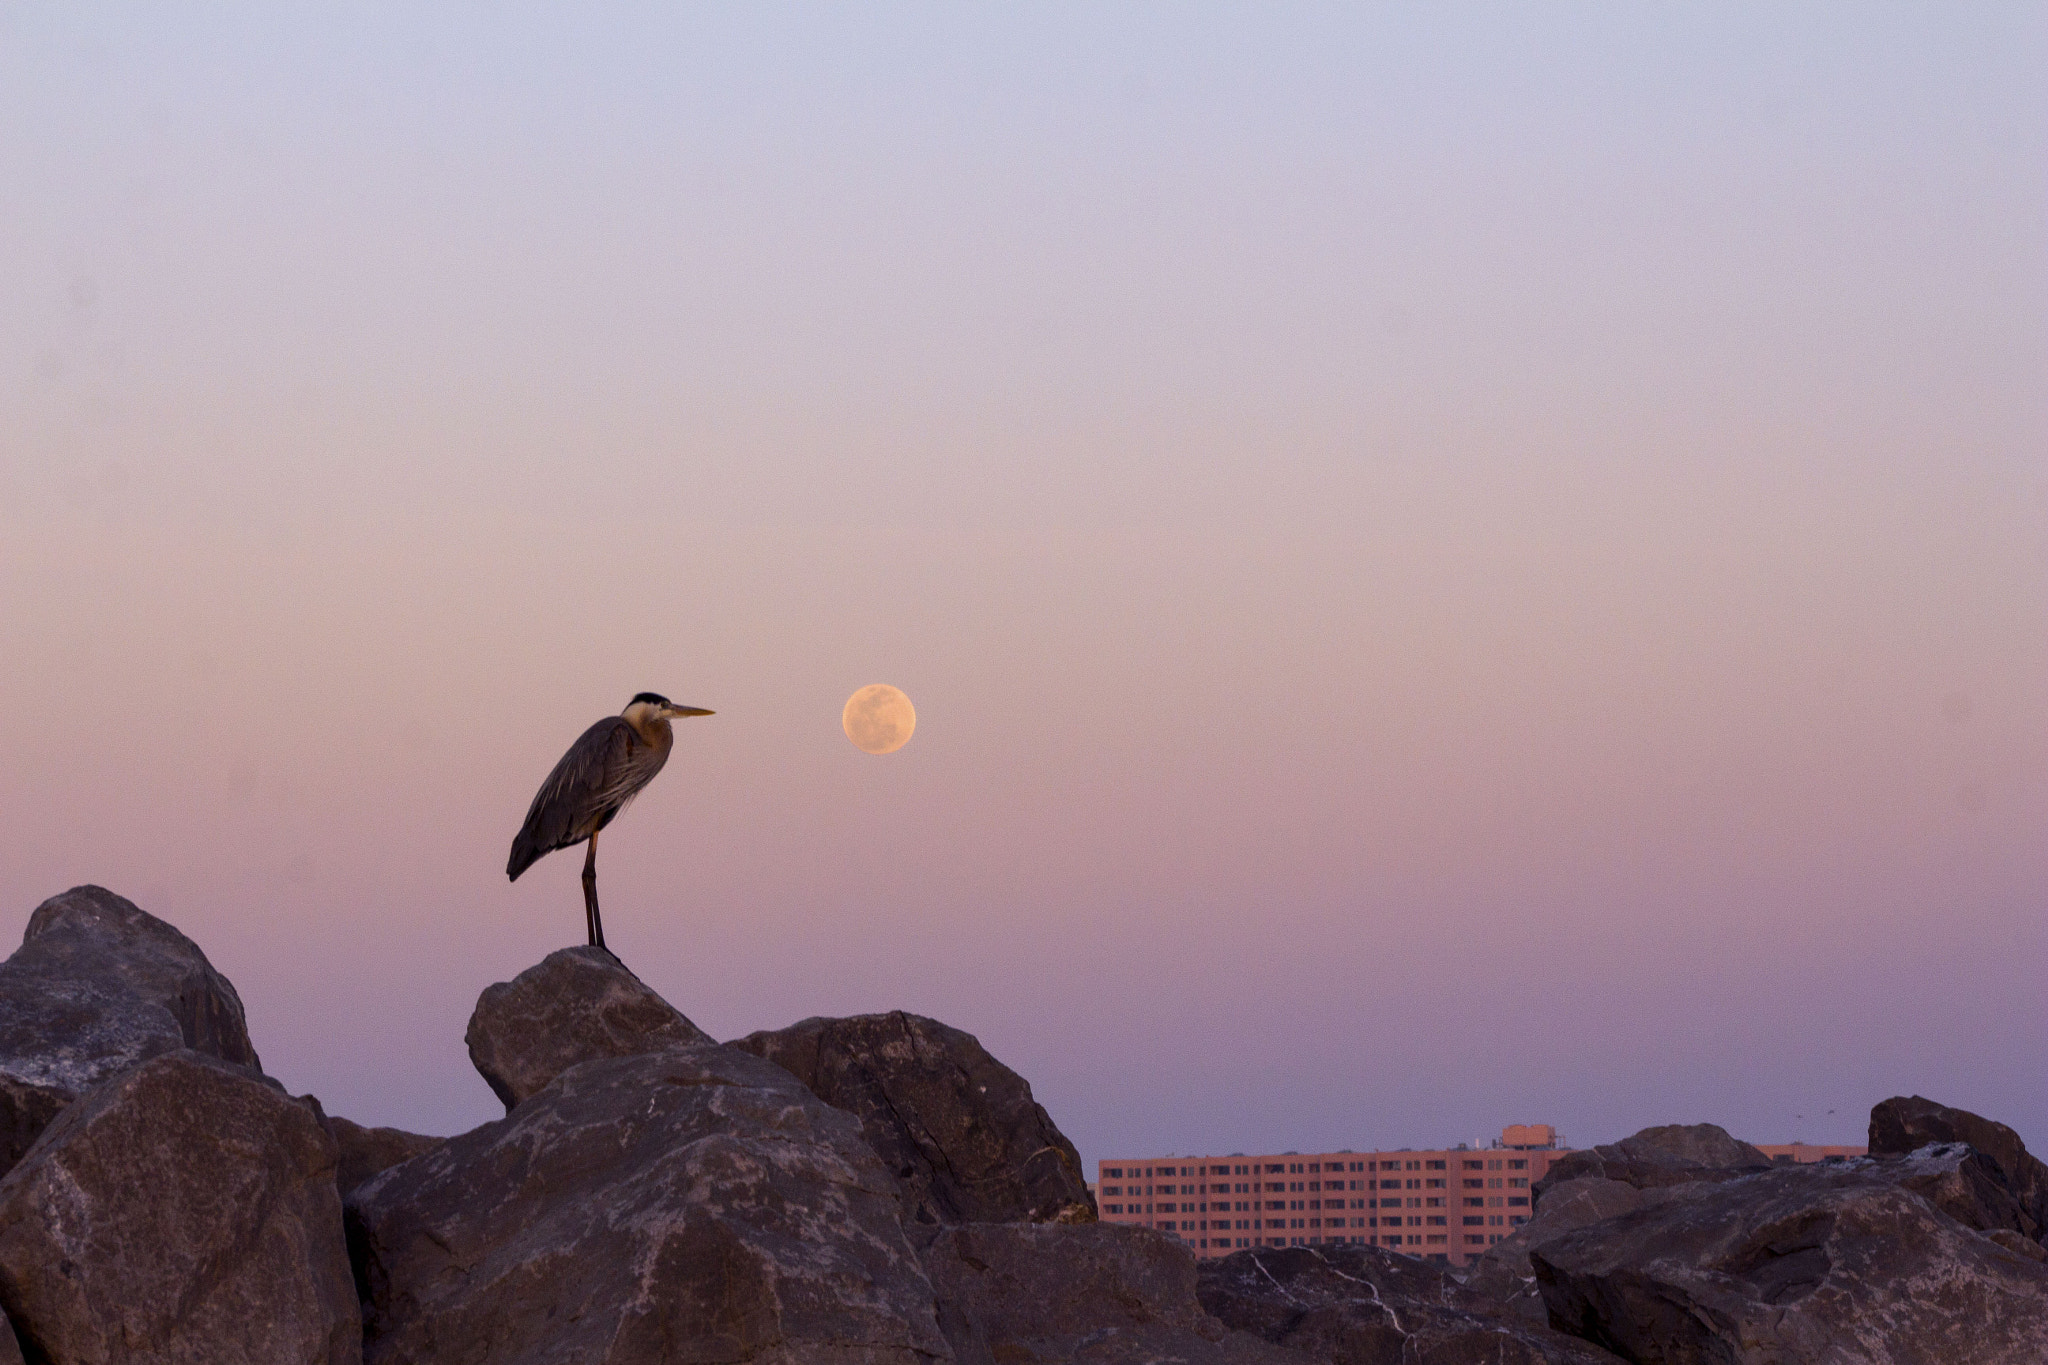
<point x="573" y="801"/>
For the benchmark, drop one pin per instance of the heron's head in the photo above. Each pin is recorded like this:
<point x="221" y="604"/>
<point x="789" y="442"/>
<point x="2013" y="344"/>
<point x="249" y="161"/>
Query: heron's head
<point x="653" y="706"/>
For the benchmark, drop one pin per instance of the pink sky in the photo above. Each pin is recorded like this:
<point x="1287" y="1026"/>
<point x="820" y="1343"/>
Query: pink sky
<point x="1451" y="573"/>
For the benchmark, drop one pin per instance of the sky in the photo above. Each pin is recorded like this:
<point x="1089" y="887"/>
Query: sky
<point x="1457" y="565"/>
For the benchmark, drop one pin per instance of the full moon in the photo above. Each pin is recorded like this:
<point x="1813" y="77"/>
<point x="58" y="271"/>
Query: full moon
<point x="879" y="719"/>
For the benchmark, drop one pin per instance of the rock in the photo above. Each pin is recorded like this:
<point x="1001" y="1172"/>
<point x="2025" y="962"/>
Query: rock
<point x="182" y="1212"/>
<point x="696" y="1204"/>
<point x="1361" y="1305"/>
<point x="1674" y="1154"/>
<point x="10" y="1345"/>
<point x="575" y="1005"/>
<point x="957" y="1127"/>
<point x="1959" y="1180"/>
<point x="364" y="1152"/>
<point x="96" y="987"/>
<point x="1504" y="1274"/>
<point x="1817" y="1263"/>
<point x="1020" y="1292"/>
<point x="1906" y="1123"/>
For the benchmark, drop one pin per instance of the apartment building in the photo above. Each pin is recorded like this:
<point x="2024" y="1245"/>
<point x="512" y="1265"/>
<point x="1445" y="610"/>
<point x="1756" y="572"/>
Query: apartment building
<point x="1447" y="1204"/>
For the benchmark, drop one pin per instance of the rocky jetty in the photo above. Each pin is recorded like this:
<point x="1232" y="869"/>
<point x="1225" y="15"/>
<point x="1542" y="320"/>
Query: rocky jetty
<point x="957" y="1127"/>
<point x="873" y="1191"/>
<point x="99" y="986"/>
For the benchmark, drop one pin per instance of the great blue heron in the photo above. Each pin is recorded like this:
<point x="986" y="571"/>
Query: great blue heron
<point x="602" y="772"/>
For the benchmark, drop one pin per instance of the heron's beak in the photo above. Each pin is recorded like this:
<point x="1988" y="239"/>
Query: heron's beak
<point x="690" y="711"/>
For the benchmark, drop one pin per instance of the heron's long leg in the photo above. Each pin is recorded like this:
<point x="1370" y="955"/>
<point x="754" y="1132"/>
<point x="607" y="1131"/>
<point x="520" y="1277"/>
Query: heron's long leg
<point x="595" y="925"/>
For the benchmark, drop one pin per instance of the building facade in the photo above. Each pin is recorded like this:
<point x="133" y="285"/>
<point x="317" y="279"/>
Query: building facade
<point x="1447" y="1204"/>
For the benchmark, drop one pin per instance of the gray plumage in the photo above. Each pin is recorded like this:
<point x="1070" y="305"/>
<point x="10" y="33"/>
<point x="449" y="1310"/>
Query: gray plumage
<point x="599" y="776"/>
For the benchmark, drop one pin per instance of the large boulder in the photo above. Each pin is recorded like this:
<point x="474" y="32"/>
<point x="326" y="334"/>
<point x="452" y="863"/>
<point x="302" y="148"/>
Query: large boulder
<point x="1906" y="1123"/>
<point x="1963" y="1183"/>
<point x="958" y="1128"/>
<point x="1360" y="1305"/>
<point x="1818" y="1263"/>
<point x="184" y="1212"/>
<point x="1672" y="1154"/>
<point x="573" y="1006"/>
<point x="96" y="987"/>
<point x="695" y="1204"/>
<point x="363" y="1152"/>
<point x="1504" y="1274"/>
<point x="1010" y="1293"/>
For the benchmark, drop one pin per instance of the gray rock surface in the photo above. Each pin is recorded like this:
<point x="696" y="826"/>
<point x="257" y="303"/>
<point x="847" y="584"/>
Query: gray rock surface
<point x="958" y="1128"/>
<point x="183" y="1212"/>
<point x="575" y="1005"/>
<point x="1906" y="1123"/>
<point x="696" y="1204"/>
<point x="1959" y="1180"/>
<point x="97" y="986"/>
<point x="1504" y="1274"/>
<point x="1819" y="1263"/>
<point x="1360" y="1305"/>
<point x="1673" y="1154"/>
<point x="363" y="1152"/>
<point x="1021" y="1292"/>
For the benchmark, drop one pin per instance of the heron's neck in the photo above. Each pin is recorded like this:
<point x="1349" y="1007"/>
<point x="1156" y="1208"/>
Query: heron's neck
<point x="653" y="730"/>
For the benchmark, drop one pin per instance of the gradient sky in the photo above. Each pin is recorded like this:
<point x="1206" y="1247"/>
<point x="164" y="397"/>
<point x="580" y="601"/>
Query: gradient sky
<point x="1456" y="566"/>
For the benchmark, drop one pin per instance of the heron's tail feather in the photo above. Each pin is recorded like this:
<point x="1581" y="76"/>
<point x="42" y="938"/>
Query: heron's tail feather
<point x="526" y="851"/>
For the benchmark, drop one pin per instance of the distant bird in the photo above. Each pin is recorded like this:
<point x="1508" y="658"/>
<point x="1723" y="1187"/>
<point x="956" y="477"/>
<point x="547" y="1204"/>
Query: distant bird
<point x="599" y="776"/>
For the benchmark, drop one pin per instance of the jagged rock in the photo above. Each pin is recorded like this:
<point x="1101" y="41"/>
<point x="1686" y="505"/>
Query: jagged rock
<point x="1959" y="1180"/>
<point x="1360" y="1305"/>
<point x="1674" y="1154"/>
<point x="1504" y="1274"/>
<point x="1096" y="1293"/>
<point x="1906" y="1123"/>
<point x="183" y="1212"/>
<point x="364" y="1152"/>
<point x="695" y="1204"/>
<point x="1817" y="1263"/>
<point x="97" y="986"/>
<point x="575" y="1005"/>
<point x="957" y="1127"/>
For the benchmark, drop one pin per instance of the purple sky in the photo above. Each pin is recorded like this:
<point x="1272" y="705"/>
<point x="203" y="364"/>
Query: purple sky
<point x="1456" y="566"/>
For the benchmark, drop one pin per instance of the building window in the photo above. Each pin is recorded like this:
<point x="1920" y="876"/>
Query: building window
<point x="1516" y="1220"/>
<point x="1478" y="1241"/>
<point x="1113" y="1208"/>
<point x="1478" y="1203"/>
<point x="1437" y="1220"/>
<point x="1167" y="1225"/>
<point x="1475" y="1222"/>
<point x="1115" y="1173"/>
<point x="1518" y="1165"/>
<point x="1518" y="1201"/>
<point x="1436" y="1165"/>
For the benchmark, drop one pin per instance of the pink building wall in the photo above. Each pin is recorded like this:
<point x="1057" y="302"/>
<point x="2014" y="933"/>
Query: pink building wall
<point x="1448" y="1204"/>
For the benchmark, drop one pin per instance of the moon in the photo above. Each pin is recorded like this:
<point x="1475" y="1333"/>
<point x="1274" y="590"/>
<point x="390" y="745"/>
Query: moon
<point x="879" y="719"/>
